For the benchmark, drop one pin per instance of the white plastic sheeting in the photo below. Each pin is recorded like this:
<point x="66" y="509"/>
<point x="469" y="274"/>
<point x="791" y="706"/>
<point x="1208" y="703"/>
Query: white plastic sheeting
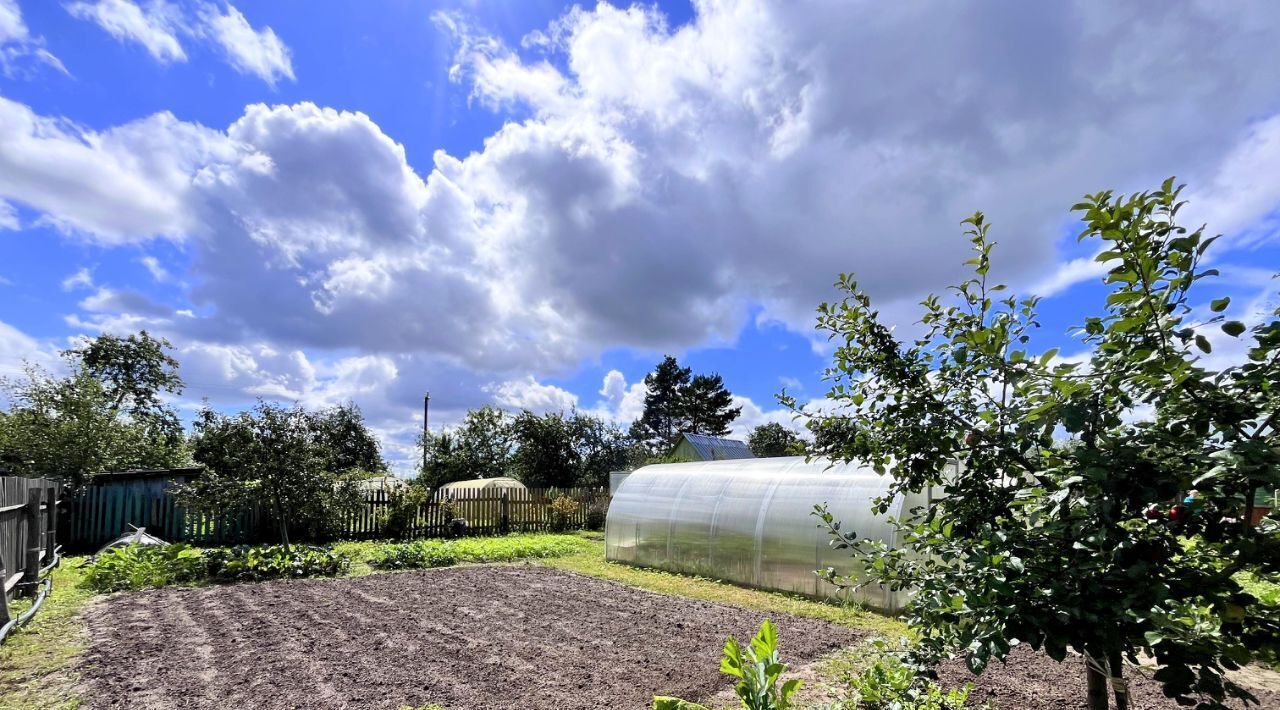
<point x="749" y="521"/>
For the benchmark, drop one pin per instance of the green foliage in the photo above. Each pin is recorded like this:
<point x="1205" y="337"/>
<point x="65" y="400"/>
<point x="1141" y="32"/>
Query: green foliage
<point x="442" y="553"/>
<point x="561" y="512"/>
<point x="106" y="414"/>
<point x="481" y="447"/>
<point x="414" y="555"/>
<point x="1076" y="545"/>
<point x="545" y="454"/>
<point x="890" y="684"/>
<point x="244" y="563"/>
<point x="345" y="443"/>
<point x="553" y="450"/>
<point x="277" y="455"/>
<point x="664" y="702"/>
<point x="143" y="566"/>
<point x="773" y="439"/>
<point x="403" y="506"/>
<point x="678" y="401"/>
<point x="758" y="670"/>
<point x="597" y="512"/>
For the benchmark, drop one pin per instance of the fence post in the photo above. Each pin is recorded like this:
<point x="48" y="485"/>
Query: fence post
<point x="31" y="565"/>
<point x="4" y="596"/>
<point x="51" y="525"/>
<point x="505" y="518"/>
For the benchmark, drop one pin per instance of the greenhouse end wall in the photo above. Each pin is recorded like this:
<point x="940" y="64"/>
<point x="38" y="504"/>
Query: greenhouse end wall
<point x="749" y="521"/>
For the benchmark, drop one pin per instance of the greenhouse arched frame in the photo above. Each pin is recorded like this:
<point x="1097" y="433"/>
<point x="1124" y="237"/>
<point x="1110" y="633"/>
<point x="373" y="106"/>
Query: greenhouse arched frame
<point x="750" y="522"/>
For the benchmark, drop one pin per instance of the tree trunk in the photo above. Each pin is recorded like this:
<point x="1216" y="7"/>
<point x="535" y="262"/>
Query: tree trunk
<point x="1118" y="686"/>
<point x="1097" y="686"/>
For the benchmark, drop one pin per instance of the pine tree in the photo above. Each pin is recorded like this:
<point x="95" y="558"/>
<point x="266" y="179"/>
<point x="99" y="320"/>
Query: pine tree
<point x="664" y="405"/>
<point x="708" y="406"/>
<point x="679" y="401"/>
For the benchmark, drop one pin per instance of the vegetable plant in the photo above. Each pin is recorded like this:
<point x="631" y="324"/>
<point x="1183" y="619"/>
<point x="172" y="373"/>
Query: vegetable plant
<point x="758" y="670"/>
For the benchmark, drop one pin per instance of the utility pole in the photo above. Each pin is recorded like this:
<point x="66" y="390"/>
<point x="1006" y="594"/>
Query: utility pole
<point x="426" y="406"/>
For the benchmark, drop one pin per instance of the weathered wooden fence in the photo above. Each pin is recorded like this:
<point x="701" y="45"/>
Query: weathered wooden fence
<point x="103" y="512"/>
<point x="487" y="512"/>
<point x="28" y="539"/>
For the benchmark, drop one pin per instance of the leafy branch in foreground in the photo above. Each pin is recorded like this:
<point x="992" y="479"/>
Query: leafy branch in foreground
<point x="1125" y="539"/>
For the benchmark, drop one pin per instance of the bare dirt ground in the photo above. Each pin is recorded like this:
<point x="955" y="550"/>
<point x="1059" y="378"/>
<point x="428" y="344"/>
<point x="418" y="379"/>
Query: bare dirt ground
<point x="1033" y="680"/>
<point x="475" y="637"/>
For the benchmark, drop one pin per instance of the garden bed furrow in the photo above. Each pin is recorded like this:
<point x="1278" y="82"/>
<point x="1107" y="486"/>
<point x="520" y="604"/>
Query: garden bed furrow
<point x="474" y="637"/>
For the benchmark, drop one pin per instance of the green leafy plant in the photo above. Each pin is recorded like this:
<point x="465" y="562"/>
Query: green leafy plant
<point x="758" y="670"/>
<point x="890" y="684"/>
<point x="142" y="566"/>
<point x="561" y="512"/>
<point x="1085" y="543"/>
<point x="244" y="563"/>
<point x="403" y="507"/>
<point x="442" y="553"/>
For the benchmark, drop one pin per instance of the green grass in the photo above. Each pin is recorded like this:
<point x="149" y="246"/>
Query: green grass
<point x="367" y="556"/>
<point x="37" y="661"/>
<point x="591" y="562"/>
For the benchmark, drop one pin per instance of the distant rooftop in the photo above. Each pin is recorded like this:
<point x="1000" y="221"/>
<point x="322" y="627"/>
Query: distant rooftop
<point x="710" y="448"/>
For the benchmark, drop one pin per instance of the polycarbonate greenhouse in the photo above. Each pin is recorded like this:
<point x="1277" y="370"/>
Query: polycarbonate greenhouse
<point x="749" y="521"/>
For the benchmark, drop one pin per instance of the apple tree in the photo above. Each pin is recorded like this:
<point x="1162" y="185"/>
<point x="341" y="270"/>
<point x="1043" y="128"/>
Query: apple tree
<point x="1105" y="501"/>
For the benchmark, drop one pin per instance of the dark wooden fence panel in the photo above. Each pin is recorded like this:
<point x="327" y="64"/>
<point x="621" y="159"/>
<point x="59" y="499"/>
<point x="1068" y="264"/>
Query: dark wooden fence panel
<point x="101" y="513"/>
<point x="28" y="536"/>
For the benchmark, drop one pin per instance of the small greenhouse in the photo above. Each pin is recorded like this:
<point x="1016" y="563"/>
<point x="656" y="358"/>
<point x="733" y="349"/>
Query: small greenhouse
<point x="749" y="521"/>
<point x="493" y="485"/>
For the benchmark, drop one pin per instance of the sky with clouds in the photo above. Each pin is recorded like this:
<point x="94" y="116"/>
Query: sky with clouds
<point x="529" y="203"/>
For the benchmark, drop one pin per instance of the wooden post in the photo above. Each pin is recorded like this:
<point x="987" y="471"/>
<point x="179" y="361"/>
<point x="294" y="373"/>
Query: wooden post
<point x="1120" y="689"/>
<point x="51" y="525"/>
<point x="505" y="515"/>
<point x="4" y="596"/>
<point x="1097" y="686"/>
<point x="31" y="565"/>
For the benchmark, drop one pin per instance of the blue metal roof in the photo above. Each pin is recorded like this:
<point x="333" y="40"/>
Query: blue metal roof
<point x="712" y="449"/>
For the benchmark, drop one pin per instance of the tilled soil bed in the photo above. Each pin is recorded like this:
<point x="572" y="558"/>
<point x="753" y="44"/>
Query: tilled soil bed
<point x="472" y="637"/>
<point x="1033" y="680"/>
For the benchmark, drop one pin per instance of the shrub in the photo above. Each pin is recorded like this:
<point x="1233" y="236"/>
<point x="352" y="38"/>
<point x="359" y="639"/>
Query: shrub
<point x="597" y="513"/>
<point x="413" y="555"/>
<point x="141" y="566"/>
<point x="561" y="512"/>
<point x="402" y="510"/>
<point x="758" y="671"/>
<point x="243" y="563"/>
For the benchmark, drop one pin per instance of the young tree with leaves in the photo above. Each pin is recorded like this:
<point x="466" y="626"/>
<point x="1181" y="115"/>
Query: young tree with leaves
<point x="271" y="454"/>
<point x="107" y="414"/>
<point x="1088" y="546"/>
<point x="773" y="439"/>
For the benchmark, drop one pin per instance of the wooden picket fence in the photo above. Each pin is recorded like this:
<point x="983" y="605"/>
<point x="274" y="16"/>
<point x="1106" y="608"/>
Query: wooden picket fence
<point x="491" y="512"/>
<point x="103" y="512"/>
<point x="28" y="540"/>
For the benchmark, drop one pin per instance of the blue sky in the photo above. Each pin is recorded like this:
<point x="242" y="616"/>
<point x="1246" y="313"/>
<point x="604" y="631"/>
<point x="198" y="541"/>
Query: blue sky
<point x="528" y="203"/>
